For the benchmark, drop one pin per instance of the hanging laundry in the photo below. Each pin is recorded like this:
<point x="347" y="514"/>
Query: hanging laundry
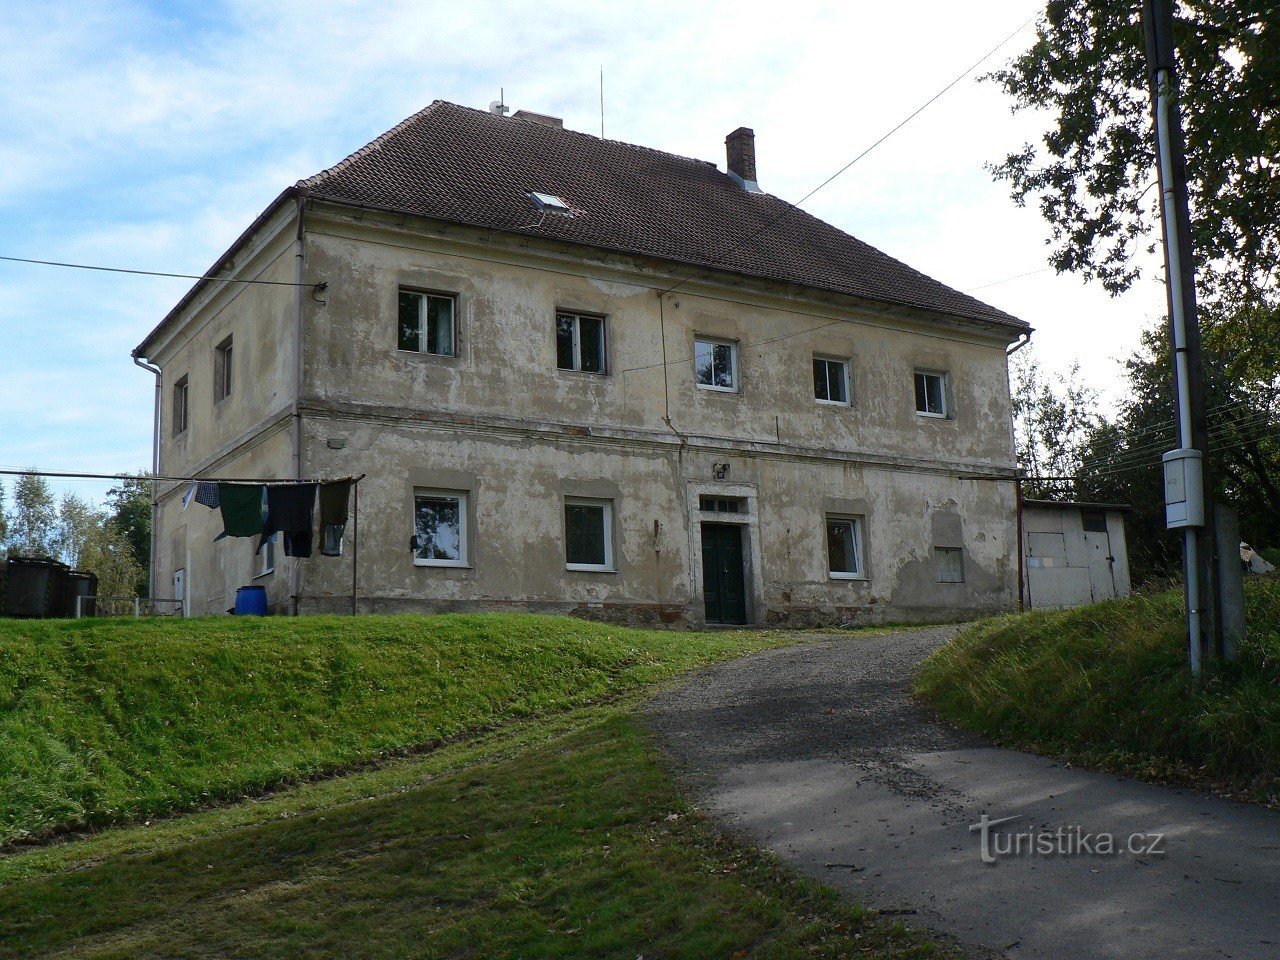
<point x="334" y="498"/>
<point x="291" y="510"/>
<point x="207" y="494"/>
<point x="241" y="505"/>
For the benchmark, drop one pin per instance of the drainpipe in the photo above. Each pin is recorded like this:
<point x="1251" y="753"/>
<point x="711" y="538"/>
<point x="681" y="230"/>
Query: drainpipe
<point x="155" y="469"/>
<point x="1022" y="588"/>
<point x="295" y="567"/>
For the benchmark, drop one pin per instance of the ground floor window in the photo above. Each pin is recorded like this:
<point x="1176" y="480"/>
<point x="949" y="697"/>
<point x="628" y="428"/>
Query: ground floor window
<point x="267" y="556"/>
<point x="588" y="534"/>
<point x="949" y="563"/>
<point x="440" y="528"/>
<point x="844" y="548"/>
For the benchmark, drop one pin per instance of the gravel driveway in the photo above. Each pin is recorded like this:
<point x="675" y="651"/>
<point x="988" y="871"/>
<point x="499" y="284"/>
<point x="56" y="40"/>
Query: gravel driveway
<point x="818" y="753"/>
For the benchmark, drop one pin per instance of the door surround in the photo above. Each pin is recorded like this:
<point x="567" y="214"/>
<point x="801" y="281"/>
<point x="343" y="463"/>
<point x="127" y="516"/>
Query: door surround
<point x="752" y="558"/>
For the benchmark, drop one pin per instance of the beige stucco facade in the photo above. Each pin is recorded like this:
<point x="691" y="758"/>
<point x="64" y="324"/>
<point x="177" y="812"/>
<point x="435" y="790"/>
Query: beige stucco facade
<point x="501" y="424"/>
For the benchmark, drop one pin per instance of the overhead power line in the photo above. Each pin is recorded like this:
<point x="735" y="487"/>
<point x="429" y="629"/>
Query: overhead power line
<point x="153" y="273"/>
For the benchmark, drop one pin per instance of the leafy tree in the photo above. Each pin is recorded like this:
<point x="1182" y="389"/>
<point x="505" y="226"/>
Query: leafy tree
<point x="1053" y="418"/>
<point x="33" y="518"/>
<point x="77" y="521"/>
<point x="108" y="553"/>
<point x="129" y="508"/>
<point x="1093" y="171"/>
<point x="4" y="525"/>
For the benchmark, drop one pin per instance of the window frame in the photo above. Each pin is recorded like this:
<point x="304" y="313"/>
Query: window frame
<point x="714" y="342"/>
<point x="423" y="295"/>
<point x="944" y="383"/>
<point x="464" y="517"/>
<point x="859" y="524"/>
<point x="181" y="388"/>
<point x="845" y="374"/>
<point x="267" y="557"/>
<point x="937" y="565"/>
<point x="224" y="358"/>
<point x="609" y="565"/>
<point x="577" y="319"/>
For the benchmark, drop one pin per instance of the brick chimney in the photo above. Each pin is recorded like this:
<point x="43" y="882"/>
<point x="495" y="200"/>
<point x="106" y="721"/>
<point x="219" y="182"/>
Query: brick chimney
<point x="741" y="148"/>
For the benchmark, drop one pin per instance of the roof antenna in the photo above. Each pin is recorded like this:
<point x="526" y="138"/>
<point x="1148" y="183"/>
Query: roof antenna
<point x="602" y="101"/>
<point x="499" y="107"/>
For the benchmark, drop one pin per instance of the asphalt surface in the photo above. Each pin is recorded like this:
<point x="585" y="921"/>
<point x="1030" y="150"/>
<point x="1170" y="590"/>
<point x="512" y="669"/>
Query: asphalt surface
<point x="819" y="753"/>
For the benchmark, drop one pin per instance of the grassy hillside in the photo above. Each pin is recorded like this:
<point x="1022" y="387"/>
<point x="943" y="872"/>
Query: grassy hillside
<point x="555" y="837"/>
<point x="1107" y="685"/>
<point x="109" y="720"/>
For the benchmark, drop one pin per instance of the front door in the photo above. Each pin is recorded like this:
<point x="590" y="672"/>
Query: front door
<point x="723" y="577"/>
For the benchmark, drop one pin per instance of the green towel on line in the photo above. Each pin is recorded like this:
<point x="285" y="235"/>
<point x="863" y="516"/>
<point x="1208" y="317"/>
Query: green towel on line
<point x="241" y="505"/>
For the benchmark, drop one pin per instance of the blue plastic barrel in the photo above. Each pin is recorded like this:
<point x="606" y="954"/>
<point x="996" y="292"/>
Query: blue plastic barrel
<point x="251" y="601"/>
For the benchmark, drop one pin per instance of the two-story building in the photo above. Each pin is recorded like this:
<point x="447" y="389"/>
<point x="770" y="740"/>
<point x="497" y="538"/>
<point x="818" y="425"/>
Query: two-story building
<point x="589" y="377"/>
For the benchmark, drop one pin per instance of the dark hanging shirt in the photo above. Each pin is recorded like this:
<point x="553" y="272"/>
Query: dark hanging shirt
<point x="241" y="506"/>
<point x="291" y="510"/>
<point x="333" y="516"/>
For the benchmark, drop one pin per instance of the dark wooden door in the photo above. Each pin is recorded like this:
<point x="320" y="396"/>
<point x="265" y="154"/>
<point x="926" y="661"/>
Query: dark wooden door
<point x="723" y="579"/>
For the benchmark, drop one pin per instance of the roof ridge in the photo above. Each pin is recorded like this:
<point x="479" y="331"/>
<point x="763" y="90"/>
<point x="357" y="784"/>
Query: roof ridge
<point x="375" y="144"/>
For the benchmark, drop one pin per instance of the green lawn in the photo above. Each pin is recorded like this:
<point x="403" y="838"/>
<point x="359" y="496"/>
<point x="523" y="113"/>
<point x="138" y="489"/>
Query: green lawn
<point x="108" y="721"/>
<point x="553" y="830"/>
<point x="1108" y="686"/>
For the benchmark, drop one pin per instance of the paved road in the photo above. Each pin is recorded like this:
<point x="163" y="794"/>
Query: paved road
<point x="818" y="753"/>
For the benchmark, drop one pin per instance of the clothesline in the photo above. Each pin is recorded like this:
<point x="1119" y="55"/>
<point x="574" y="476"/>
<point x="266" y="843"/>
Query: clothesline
<point x="146" y="476"/>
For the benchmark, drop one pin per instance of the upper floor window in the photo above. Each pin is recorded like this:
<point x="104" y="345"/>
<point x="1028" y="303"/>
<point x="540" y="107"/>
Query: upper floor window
<point x="180" y="406"/>
<point x="931" y="394"/>
<point x="440" y="528"/>
<point x="831" y="381"/>
<point x="844" y="548"/>
<point x="715" y="365"/>
<point x="222" y="355"/>
<point x="426" y="323"/>
<point x="580" y="343"/>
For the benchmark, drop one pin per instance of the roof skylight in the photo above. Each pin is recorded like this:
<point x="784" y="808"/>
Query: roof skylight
<point x="549" y="201"/>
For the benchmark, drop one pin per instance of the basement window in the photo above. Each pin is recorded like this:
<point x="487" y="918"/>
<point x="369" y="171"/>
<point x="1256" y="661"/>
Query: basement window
<point x="440" y="528"/>
<point x="844" y="548"/>
<point x="426" y="323"/>
<point x="549" y="202"/>
<point x="588" y="534"/>
<point x="831" y="381"/>
<point x="931" y="394"/>
<point x="580" y="343"/>
<point x="715" y="365"/>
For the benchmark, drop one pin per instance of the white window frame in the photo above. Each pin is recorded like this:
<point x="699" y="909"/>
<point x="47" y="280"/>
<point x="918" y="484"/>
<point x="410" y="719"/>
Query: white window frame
<point x="577" y="319"/>
<point x="843" y="362"/>
<point x="464" y="541"/>
<point x="607" y="505"/>
<point x="859" y="537"/>
<point x="549" y="202"/>
<point x="733" y="364"/>
<point x="267" y="557"/>
<point x="943" y="384"/>
<point x="423" y="296"/>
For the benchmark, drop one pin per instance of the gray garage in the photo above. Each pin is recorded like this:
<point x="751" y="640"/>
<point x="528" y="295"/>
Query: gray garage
<point x="1074" y="553"/>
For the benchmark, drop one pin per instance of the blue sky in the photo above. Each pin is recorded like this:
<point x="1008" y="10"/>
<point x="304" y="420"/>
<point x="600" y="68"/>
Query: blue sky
<point x="148" y="136"/>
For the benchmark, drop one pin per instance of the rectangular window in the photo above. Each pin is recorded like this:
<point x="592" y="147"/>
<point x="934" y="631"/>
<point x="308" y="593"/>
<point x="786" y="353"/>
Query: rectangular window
<point x="831" y="381"/>
<point x="715" y="365"/>
<point x="580" y="343"/>
<point x="222" y="370"/>
<point x="709" y="504"/>
<point x="588" y="534"/>
<point x="440" y="528"/>
<point x="949" y="562"/>
<point x="844" y="548"/>
<point x="931" y="394"/>
<point x="267" y="556"/>
<point x="180" y="407"/>
<point x="426" y="323"/>
<point x="1093" y="521"/>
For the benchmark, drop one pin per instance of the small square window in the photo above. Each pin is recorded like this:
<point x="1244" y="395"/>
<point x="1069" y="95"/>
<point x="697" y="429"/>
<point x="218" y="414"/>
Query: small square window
<point x="588" y="534"/>
<point x="1093" y="521"/>
<point x="440" y="528"/>
<point x="580" y="343"/>
<point x="931" y="394"/>
<point x="831" y="381"/>
<point x="715" y="365"/>
<point x="844" y="548"/>
<point x="222" y="356"/>
<point x="181" y="396"/>
<point x="949" y="562"/>
<point x="426" y="323"/>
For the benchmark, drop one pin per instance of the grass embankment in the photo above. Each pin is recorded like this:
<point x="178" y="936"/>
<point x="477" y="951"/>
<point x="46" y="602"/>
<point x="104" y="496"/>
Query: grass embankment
<point x="1108" y="686"/>
<point x="102" y="722"/>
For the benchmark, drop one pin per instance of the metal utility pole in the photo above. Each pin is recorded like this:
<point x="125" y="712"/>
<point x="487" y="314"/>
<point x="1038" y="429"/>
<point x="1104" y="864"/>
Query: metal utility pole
<point x="1188" y="496"/>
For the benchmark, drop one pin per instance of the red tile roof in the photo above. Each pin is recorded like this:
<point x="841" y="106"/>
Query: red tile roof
<point x="468" y="166"/>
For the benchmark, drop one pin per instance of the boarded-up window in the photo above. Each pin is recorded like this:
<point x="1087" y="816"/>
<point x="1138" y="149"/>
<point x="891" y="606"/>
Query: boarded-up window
<point x="949" y="564"/>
